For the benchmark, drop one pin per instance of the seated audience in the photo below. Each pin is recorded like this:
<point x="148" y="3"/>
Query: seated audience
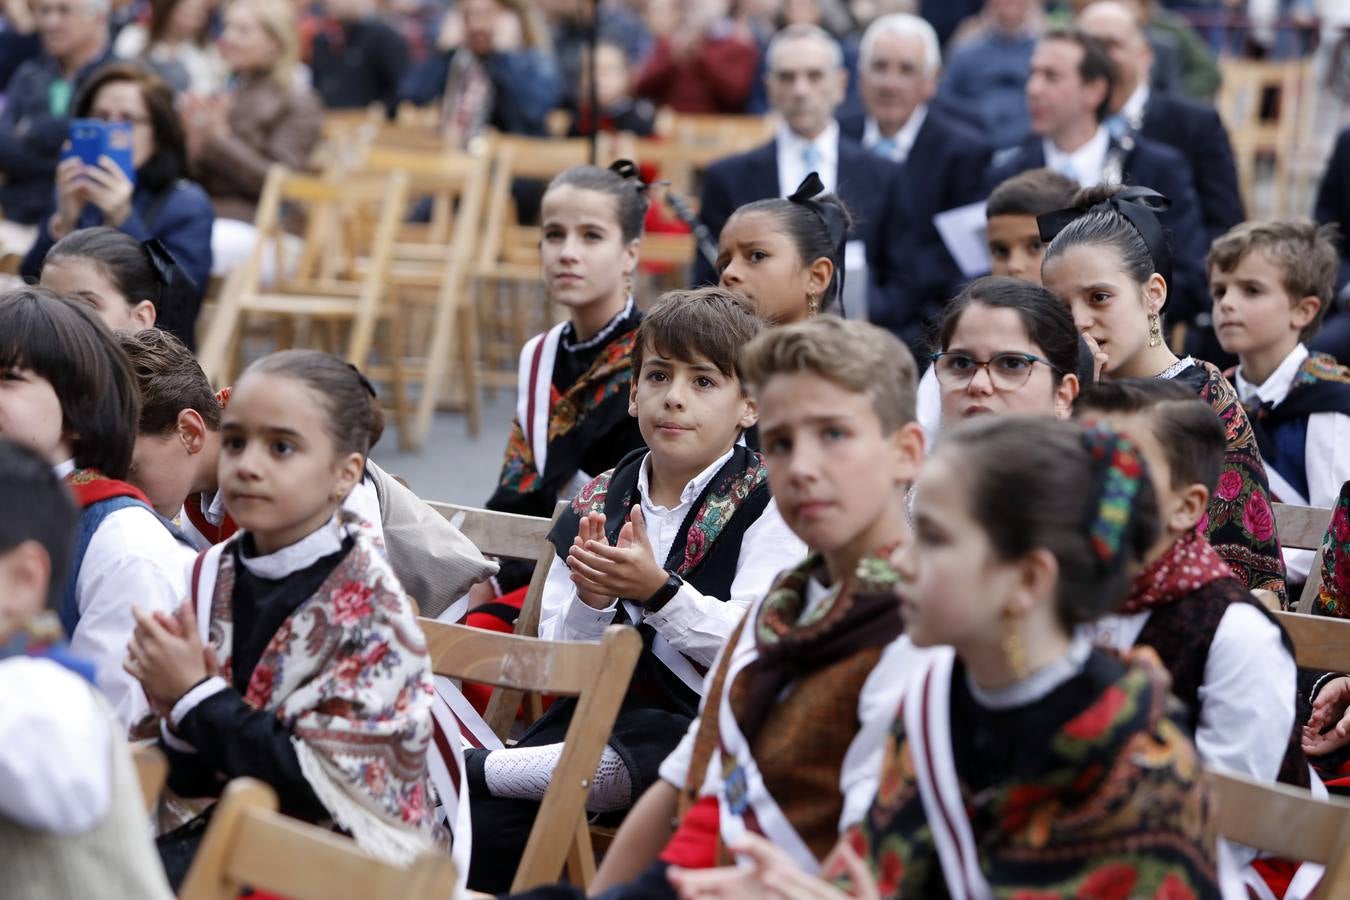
<point x="569" y="22"/>
<point x="1011" y="233"/>
<point x="1271" y="283"/>
<point x="130" y="284"/>
<point x="1109" y="262"/>
<point x="159" y="203"/>
<point x="1068" y="95"/>
<point x="1231" y="663"/>
<point x="619" y="110"/>
<point x="1023" y="761"/>
<point x="359" y="59"/>
<point x="941" y="160"/>
<point x="72" y="815"/>
<point x="492" y="68"/>
<point x="35" y="119"/>
<point x="1333" y="208"/>
<point x="986" y="73"/>
<point x="676" y="541"/>
<point x="177" y="463"/>
<point x="176" y="43"/>
<point x="70" y="397"/>
<point x="1170" y="32"/>
<point x="269" y="116"/>
<point x="19" y="38"/>
<point x="295" y="657"/>
<point x="700" y="61"/>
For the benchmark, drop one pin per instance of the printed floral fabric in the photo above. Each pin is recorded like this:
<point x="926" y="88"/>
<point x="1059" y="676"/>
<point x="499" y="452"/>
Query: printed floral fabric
<point x="1333" y="597"/>
<point x="1188" y="565"/>
<point x="608" y="381"/>
<point x="1240" y="523"/>
<point x="348" y="672"/>
<point x="1115" y="807"/>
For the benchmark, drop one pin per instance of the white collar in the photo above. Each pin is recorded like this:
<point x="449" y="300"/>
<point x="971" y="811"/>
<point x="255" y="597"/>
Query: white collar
<point x="600" y="336"/>
<point x="1038" y="684"/>
<point x="215" y="511"/>
<point x="1087" y="161"/>
<point x="64" y="469"/>
<point x="826" y="143"/>
<point x="1276" y="387"/>
<point x="322" y="541"/>
<point x="691" y="490"/>
<point x="903" y="140"/>
<point x="1133" y="110"/>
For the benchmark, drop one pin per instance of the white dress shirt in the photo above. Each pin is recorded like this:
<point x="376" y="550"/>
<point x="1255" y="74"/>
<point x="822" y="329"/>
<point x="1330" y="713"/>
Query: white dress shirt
<point x="877" y="703"/>
<point x="132" y="559"/>
<point x="792" y="167"/>
<point x="1133" y="109"/>
<point x="1085" y="164"/>
<point x="1326" y="454"/>
<point x="1246" y="698"/>
<point x="694" y="623"/>
<point x="895" y="148"/>
<point x="55" y="748"/>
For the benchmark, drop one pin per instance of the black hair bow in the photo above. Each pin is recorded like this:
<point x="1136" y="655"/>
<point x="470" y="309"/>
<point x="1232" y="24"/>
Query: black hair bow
<point x="1139" y="206"/>
<point x="628" y="171"/>
<point x="835" y="225"/>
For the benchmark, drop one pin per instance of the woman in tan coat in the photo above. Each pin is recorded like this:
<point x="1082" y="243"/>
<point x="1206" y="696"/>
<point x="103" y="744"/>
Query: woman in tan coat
<point x="270" y="115"/>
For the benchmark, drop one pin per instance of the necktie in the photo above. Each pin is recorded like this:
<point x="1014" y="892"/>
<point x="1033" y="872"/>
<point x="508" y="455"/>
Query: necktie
<point x="1065" y="168"/>
<point x="811" y="158"/>
<point x="887" y="148"/>
<point x="1117" y="126"/>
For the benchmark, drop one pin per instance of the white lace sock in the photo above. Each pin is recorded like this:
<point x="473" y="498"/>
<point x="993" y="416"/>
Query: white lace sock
<point x="523" y="773"/>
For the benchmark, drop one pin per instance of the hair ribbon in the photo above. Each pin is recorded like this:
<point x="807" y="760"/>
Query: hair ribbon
<point x="365" y="382"/>
<point x="1139" y="206"/>
<point x="832" y="217"/>
<point x="1118" y="476"/>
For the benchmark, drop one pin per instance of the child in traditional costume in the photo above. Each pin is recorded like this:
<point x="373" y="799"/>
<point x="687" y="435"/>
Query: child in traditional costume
<point x="1272" y="283"/>
<point x="67" y="393"/>
<point x="1231" y="663"/>
<point x="177" y="459"/>
<point x="1110" y="263"/>
<point x="786" y="256"/>
<point x="72" y="817"/>
<point x="1024" y="762"/>
<point x="572" y="417"/>
<point x="309" y="670"/>
<point x="677" y="541"/>
<point x="1326" y="735"/>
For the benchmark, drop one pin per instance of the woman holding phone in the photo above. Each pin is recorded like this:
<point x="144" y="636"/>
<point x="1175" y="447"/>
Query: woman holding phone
<point x="159" y="202"/>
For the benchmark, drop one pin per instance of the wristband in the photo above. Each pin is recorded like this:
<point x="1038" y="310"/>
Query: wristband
<point x="656" y="601"/>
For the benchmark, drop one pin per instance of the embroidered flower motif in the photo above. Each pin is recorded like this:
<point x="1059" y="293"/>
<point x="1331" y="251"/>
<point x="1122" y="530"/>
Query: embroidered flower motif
<point x="1113" y="881"/>
<point x="261" y="682"/>
<point x="1173" y="888"/>
<point x="1230" y="486"/>
<point x="1092" y="723"/>
<point x="1257" y="518"/>
<point x="351" y="603"/>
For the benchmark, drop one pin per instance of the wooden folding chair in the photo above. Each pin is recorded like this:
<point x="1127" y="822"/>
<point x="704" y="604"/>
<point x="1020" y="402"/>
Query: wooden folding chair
<point x="428" y="275"/>
<point x="322" y="286"/>
<point x="1264" y="105"/>
<point x="509" y="536"/>
<point x="250" y="845"/>
<point x="597" y="675"/>
<point x="1302" y="528"/>
<point x="727" y="134"/>
<point x="1320" y="642"/>
<point x="152" y="770"/>
<point x="1286" y="822"/>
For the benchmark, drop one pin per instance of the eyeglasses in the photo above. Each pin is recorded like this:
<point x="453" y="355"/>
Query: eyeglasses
<point x="1007" y="371"/>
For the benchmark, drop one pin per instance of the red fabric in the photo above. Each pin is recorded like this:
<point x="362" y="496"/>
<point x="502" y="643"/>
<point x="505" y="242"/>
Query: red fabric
<point x="1188" y="565"/>
<point x="91" y="486"/>
<point x="479" y="694"/>
<point x="694" y="843"/>
<point x="213" y="533"/>
<point x="716" y="77"/>
<point x="1276" y="873"/>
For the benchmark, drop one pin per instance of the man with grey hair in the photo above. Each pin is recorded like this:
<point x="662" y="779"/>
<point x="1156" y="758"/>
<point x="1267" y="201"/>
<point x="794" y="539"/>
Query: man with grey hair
<point x="806" y="81"/>
<point x="942" y="160"/>
<point x="36" y="116"/>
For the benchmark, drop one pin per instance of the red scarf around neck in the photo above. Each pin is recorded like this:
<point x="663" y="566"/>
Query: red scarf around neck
<point x="91" y="486"/>
<point x="1188" y="565"/>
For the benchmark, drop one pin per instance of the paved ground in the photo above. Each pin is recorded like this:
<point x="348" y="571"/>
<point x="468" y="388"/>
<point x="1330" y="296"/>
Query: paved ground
<point x="452" y="466"/>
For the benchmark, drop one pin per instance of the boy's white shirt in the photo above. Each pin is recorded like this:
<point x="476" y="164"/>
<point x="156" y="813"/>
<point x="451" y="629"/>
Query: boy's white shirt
<point x="1326" y="454"/>
<point x="132" y="559"/>
<point x="1249" y="678"/>
<point x="693" y="623"/>
<point x="55" y="748"/>
<point x="860" y="773"/>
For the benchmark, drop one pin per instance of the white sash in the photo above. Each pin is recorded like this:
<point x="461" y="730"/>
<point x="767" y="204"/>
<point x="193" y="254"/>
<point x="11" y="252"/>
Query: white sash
<point x="445" y="766"/>
<point x="742" y="786"/>
<point x="927" y="711"/>
<point x="663" y="650"/>
<point x="534" y="390"/>
<point x="204" y="588"/>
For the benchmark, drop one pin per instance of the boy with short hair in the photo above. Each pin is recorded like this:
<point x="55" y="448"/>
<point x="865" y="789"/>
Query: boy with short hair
<point x="1271" y="284"/>
<point x="72" y="818"/>
<point x="1014" y="238"/>
<point x="676" y="540"/>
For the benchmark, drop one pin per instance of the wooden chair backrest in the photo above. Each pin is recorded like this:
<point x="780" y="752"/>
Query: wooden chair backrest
<point x="1286" y="822"/>
<point x="597" y="675"/>
<point x="1320" y="642"/>
<point x="250" y="844"/>
<point x="729" y="134"/>
<point x="152" y="769"/>
<point x="1302" y="528"/>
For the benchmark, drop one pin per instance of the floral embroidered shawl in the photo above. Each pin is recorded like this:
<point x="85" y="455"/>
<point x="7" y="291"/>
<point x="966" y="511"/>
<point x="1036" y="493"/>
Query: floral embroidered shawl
<point x="1111" y="804"/>
<point x="1333" y="597"/>
<point x="1240" y="523"/>
<point x="349" y="674"/>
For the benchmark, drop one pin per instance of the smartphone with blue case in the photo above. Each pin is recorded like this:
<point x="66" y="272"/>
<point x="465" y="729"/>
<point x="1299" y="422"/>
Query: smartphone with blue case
<point x="93" y="138"/>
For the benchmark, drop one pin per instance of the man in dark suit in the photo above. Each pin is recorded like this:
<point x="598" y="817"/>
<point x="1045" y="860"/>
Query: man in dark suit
<point x="941" y="161"/>
<point x="1193" y="129"/>
<point x="1068" y="96"/>
<point x="806" y="82"/>
<point x="1333" y="207"/>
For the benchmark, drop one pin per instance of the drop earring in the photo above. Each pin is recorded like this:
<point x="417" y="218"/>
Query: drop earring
<point x="628" y="283"/>
<point x="1013" y="649"/>
<point x="1154" y="330"/>
<point x="812" y="305"/>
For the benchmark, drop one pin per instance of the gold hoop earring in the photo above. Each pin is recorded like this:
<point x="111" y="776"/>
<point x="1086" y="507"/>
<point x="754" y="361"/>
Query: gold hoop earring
<point x="628" y="283"/>
<point x="812" y="305"/>
<point x="1013" y="649"/>
<point x="1154" y="330"/>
